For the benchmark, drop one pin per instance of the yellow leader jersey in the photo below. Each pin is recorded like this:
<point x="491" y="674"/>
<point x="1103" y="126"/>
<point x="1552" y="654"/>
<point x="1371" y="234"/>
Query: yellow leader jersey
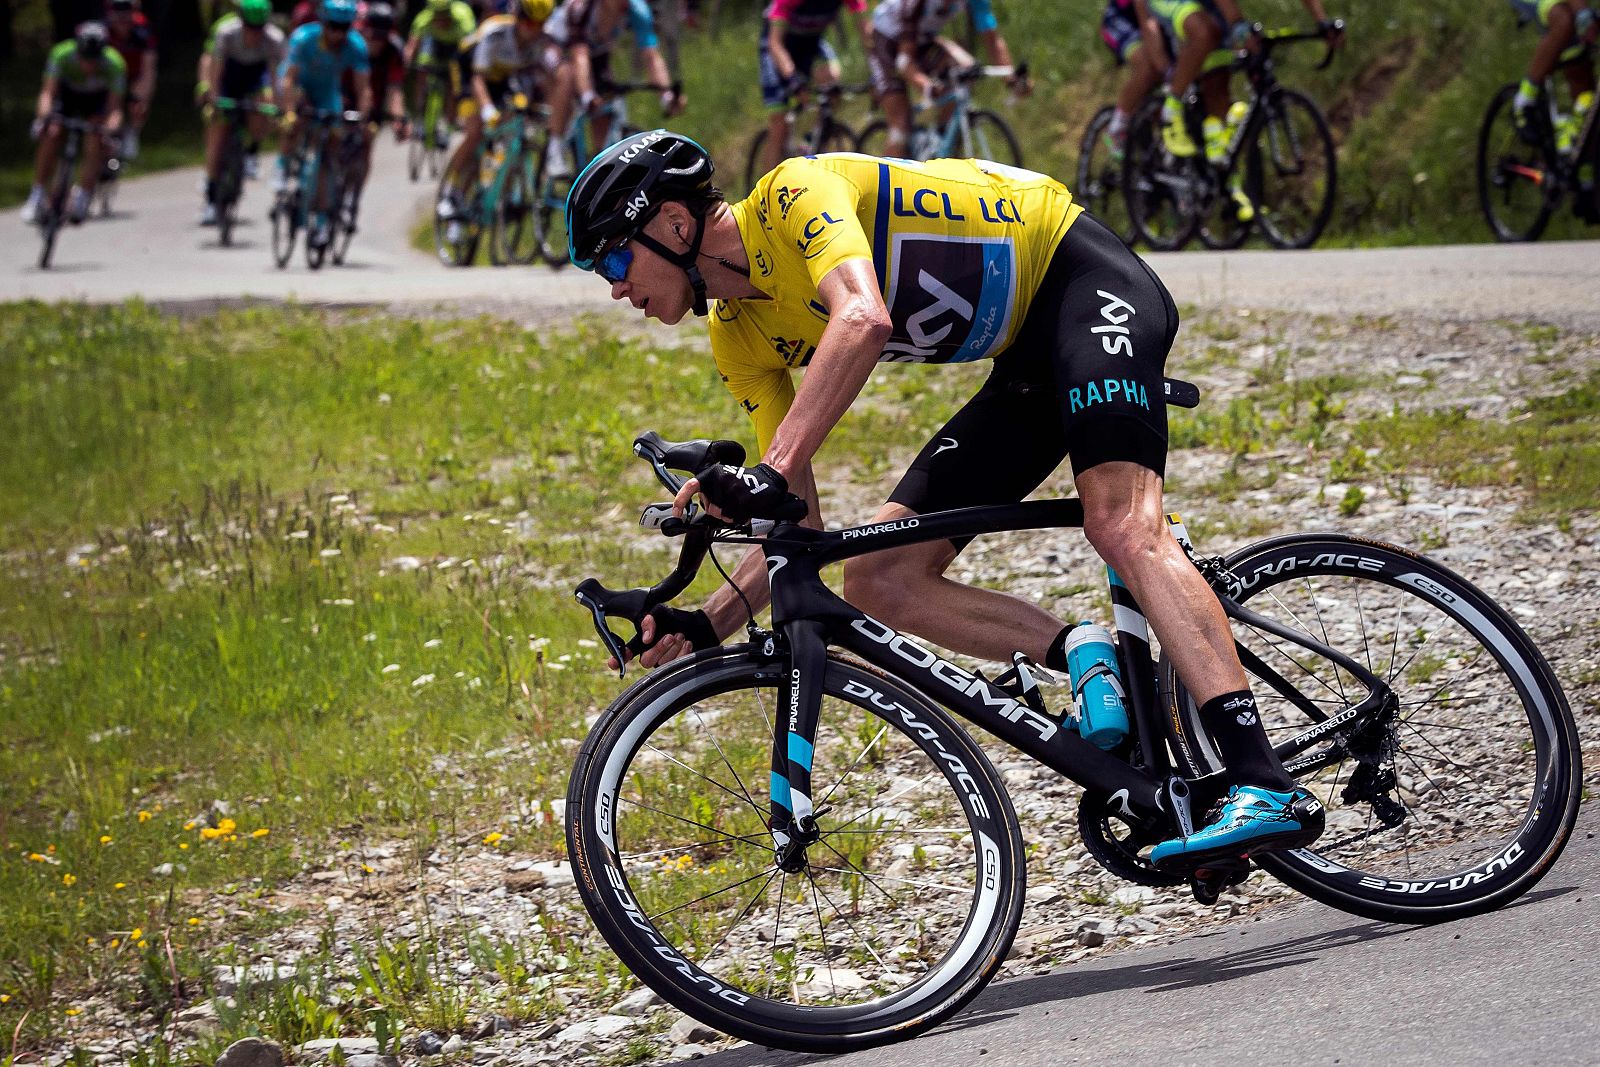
<point x="959" y="247"/>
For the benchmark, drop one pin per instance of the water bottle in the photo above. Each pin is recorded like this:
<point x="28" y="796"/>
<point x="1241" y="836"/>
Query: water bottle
<point x="1096" y="685"/>
<point x="1238" y="111"/>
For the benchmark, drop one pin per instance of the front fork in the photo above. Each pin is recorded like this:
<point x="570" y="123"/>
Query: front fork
<point x="794" y="735"/>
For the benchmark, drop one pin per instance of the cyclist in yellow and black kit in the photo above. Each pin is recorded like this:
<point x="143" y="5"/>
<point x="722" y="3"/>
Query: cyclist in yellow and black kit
<point x="1567" y="28"/>
<point x="836" y="263"/>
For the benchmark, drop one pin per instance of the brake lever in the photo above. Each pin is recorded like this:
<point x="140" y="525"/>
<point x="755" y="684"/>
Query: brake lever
<point x="613" y="643"/>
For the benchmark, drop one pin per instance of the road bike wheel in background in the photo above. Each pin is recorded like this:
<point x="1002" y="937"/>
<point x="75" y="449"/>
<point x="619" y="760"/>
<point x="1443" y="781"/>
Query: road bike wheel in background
<point x="551" y="211"/>
<point x="513" y="236"/>
<point x="1099" y="184"/>
<point x="756" y="162"/>
<point x="417" y="147"/>
<point x="900" y="914"/>
<point x="1299" y="170"/>
<point x="873" y="140"/>
<point x="285" y="217"/>
<point x="344" y="226"/>
<point x="230" y="180"/>
<point x="1464" y="797"/>
<point x="1513" y="185"/>
<point x="1155" y="194"/>
<point x="456" y="239"/>
<point x="317" y="250"/>
<point x="991" y="138"/>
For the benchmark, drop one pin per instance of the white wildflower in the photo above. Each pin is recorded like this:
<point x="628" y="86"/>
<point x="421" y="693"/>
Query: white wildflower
<point x="391" y="668"/>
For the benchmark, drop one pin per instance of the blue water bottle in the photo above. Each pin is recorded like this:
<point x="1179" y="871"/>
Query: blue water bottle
<point x="1096" y="685"/>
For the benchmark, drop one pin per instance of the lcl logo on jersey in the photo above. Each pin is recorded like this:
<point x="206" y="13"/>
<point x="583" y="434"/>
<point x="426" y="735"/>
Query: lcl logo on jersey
<point x="1114" y="336"/>
<point x="813" y="231"/>
<point x="763" y="263"/>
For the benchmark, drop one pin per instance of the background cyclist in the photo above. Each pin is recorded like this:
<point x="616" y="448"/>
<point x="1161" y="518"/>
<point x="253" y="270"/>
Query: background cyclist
<point x="84" y="79"/>
<point x="135" y="41"/>
<point x="906" y="49"/>
<point x="1000" y="264"/>
<point x="502" y="48"/>
<point x="793" y="39"/>
<point x="1568" y="26"/>
<point x="245" y="49"/>
<point x="386" y="70"/>
<point x="317" y="57"/>
<point x="584" y="34"/>
<point x="435" y="44"/>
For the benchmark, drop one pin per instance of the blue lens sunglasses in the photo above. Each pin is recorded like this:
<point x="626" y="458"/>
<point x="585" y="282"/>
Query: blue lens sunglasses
<point x="613" y="265"/>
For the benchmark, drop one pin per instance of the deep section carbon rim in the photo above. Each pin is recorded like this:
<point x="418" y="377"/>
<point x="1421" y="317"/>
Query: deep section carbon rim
<point x="1458" y="800"/>
<point x="902" y="910"/>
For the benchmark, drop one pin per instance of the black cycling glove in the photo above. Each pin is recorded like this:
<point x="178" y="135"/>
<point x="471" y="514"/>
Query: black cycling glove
<point x="745" y="493"/>
<point x="695" y="625"/>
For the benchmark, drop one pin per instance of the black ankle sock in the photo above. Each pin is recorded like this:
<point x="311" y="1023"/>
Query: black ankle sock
<point x="1056" y="658"/>
<point x="1235" y="726"/>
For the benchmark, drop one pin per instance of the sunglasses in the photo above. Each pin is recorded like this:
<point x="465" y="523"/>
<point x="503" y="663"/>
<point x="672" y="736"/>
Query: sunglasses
<point x="613" y="265"/>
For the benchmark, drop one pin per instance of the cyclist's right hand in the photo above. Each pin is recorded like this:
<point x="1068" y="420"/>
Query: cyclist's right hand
<point x="669" y="633"/>
<point x="491" y="115"/>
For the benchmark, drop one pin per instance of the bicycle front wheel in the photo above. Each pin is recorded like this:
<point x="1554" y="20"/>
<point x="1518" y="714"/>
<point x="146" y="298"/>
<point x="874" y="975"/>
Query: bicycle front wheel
<point x="513" y="237"/>
<point x="285" y="225"/>
<point x="1454" y="801"/>
<point x="1513" y="178"/>
<point x="989" y="137"/>
<point x="898" y="915"/>
<point x="1299" y="173"/>
<point x="1161" y="198"/>
<point x="1099" y="185"/>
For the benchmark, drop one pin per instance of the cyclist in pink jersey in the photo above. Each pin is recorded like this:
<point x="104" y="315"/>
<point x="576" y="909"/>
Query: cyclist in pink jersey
<point x="793" y="39"/>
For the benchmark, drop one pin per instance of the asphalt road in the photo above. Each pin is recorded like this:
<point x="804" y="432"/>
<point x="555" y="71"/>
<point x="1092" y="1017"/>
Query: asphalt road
<point x="154" y="249"/>
<point x="1305" y="985"/>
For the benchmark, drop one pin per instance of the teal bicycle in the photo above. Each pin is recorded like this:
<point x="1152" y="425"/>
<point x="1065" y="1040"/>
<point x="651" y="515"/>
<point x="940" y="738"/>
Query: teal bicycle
<point x="315" y="190"/>
<point x="965" y="132"/>
<point x="500" y="201"/>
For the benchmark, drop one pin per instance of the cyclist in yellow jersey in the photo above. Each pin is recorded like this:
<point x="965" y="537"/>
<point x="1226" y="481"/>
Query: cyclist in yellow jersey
<point x="435" y="41"/>
<point x="839" y="262"/>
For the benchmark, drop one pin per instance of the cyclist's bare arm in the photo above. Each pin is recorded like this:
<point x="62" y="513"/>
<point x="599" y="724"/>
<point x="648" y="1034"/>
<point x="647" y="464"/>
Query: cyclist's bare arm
<point x="782" y="61"/>
<point x="655" y="68"/>
<point x="480" y="93"/>
<point x="47" y="97"/>
<point x="113" y="113"/>
<point x="582" y="72"/>
<point x="363" y="93"/>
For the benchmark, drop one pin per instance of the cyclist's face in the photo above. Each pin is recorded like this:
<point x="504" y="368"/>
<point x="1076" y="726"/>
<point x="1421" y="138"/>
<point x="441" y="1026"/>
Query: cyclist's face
<point x="654" y="286"/>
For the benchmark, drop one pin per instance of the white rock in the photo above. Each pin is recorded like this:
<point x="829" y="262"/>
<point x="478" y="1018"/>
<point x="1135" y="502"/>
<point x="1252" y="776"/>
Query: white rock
<point x="590" y="1029"/>
<point x="252" y="1052"/>
<point x="687" y="1031"/>
<point x="638" y="1002"/>
<point x="690" y="1052"/>
<point x="228" y="980"/>
<point x="349" y="1046"/>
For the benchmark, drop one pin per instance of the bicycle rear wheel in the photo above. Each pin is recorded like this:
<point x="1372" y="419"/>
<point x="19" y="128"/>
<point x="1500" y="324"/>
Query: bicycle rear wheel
<point x="456" y="239"/>
<point x="1453" y="802"/>
<point x="230" y="179"/>
<point x="1099" y="185"/>
<point x="513" y="235"/>
<point x="1299" y="170"/>
<point x="1221" y="228"/>
<point x="756" y="162"/>
<point x="551" y="210"/>
<point x="989" y="137"/>
<point x="1160" y="196"/>
<point x="285" y="226"/>
<point x="1513" y="178"/>
<point x="899" y="915"/>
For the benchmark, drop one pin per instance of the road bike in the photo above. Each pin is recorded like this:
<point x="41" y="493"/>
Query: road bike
<point x="429" y="124"/>
<point x="1523" y="178"/>
<point x="611" y="109"/>
<point x="826" y="134"/>
<point x="1280" y="154"/>
<point x="964" y="132"/>
<point x="105" y="190"/>
<point x="500" y="200"/>
<point x="313" y="196"/>
<point x="229" y="185"/>
<point x="53" y="212"/>
<point x="790" y="838"/>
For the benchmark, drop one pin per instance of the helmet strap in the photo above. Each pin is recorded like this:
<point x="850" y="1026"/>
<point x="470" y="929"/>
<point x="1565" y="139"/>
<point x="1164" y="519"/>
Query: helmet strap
<point x="688" y="262"/>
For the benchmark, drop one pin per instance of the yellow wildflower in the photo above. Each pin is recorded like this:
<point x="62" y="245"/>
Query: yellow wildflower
<point x="36" y="857"/>
<point x="145" y="816"/>
<point x="183" y="844"/>
<point x="189" y="825"/>
<point x="494" y="837"/>
<point x="88" y="941"/>
<point x="105" y="839"/>
<point x="120" y="885"/>
<point x="115" y="941"/>
<point x="263" y="832"/>
<point x="367" y="869"/>
<point x="5" y="998"/>
<point x="136" y="933"/>
<point x="68" y="879"/>
<point x="193" y="921"/>
<point x="73" y="1011"/>
<point x="50" y="849"/>
<point x="144" y="944"/>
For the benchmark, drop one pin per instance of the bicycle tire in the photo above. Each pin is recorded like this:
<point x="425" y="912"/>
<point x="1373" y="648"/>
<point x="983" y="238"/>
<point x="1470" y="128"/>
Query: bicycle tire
<point x="285" y="216"/>
<point x="873" y="140"/>
<point x="632" y="754"/>
<point x="1220" y="228"/>
<point x="1099" y="184"/>
<point x="755" y="162"/>
<point x="838" y="137"/>
<point x="551" y="211"/>
<point x="317" y="253"/>
<point x="460" y="249"/>
<point x="1159" y="214"/>
<point x="1282" y="206"/>
<point x="229" y="180"/>
<point x="1344" y="589"/>
<point x="512" y="214"/>
<point x="987" y="132"/>
<point x="1506" y="164"/>
<point x="56" y="209"/>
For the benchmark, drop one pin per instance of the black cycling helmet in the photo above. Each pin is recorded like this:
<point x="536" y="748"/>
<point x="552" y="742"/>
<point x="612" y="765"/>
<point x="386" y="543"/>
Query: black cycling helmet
<point x="91" y="39"/>
<point x="380" y="15"/>
<point x="624" y="186"/>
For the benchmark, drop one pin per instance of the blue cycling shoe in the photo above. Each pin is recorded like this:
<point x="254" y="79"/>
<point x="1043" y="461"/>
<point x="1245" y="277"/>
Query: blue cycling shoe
<point x="1253" y="820"/>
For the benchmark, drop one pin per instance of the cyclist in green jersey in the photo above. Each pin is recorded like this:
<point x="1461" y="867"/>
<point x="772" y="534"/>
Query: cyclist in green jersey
<point x="435" y="41"/>
<point x="1569" y="26"/>
<point x="85" y="79"/>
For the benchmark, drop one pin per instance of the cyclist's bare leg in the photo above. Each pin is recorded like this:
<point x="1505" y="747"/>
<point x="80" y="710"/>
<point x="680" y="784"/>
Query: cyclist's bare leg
<point x="563" y="92"/>
<point x="1201" y="36"/>
<point x="1215" y="92"/>
<point x="216" y="137"/>
<point x="44" y="163"/>
<point x="1125" y="521"/>
<point x="94" y="155"/>
<point x="906" y="588"/>
<point x="461" y="160"/>
<point x="600" y="131"/>
<point x="1557" y="37"/>
<point x="897" y="113"/>
<point x="1143" y="75"/>
<point x="776" y="149"/>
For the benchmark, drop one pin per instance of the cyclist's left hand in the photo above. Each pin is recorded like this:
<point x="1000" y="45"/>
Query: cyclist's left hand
<point x="673" y="103"/>
<point x="1335" y="34"/>
<point x="1020" y="85"/>
<point x="402" y="129"/>
<point x="739" y="494"/>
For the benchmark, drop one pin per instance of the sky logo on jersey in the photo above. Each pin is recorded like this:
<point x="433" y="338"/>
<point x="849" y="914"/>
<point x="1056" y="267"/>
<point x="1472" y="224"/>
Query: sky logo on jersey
<point x="950" y="298"/>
